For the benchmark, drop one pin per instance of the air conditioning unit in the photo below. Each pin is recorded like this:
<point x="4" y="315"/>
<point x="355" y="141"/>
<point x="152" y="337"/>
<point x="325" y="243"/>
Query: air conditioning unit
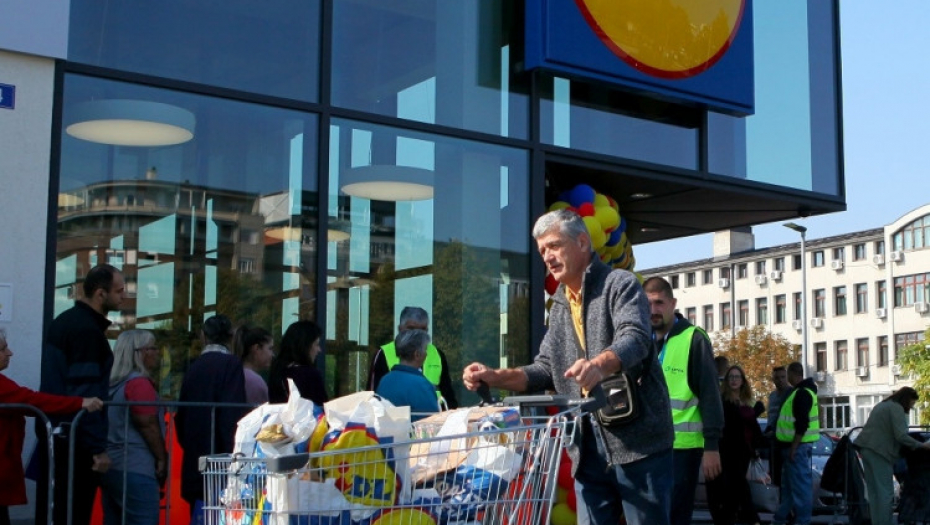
<point x="878" y="259"/>
<point x="760" y="280"/>
<point x="896" y="370"/>
<point x="817" y="322"/>
<point x="881" y="313"/>
<point x="837" y="265"/>
<point x="797" y="324"/>
<point x="723" y="283"/>
<point x="820" y="376"/>
<point x="862" y="371"/>
<point x="896" y="256"/>
<point x="775" y="275"/>
<point x="921" y="308"/>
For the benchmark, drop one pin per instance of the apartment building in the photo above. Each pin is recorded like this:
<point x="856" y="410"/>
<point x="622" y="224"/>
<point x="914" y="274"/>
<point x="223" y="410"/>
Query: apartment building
<point x="868" y="296"/>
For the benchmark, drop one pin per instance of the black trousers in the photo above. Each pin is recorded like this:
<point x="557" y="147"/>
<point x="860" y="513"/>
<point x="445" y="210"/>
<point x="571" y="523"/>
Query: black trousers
<point x="83" y="488"/>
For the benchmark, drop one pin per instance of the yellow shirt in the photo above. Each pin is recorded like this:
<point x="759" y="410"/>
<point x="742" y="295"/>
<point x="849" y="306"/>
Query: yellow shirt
<point x="576" y="304"/>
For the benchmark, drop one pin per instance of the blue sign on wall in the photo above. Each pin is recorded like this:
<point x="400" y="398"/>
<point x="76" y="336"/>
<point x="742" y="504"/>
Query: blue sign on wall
<point x="689" y="52"/>
<point x="7" y="96"/>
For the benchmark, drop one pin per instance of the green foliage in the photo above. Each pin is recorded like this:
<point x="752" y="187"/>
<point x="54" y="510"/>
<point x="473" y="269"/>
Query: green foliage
<point x="757" y="351"/>
<point x="915" y="362"/>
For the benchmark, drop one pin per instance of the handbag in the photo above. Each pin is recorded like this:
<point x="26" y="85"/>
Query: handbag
<point x="622" y="401"/>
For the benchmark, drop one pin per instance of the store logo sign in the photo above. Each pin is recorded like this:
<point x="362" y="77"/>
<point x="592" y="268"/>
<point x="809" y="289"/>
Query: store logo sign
<point x="7" y="96"/>
<point x="692" y="52"/>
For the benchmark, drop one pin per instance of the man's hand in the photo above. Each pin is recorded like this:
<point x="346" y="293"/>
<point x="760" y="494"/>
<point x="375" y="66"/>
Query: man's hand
<point x="101" y="463"/>
<point x="161" y="472"/>
<point x="475" y="374"/>
<point x="92" y="404"/>
<point x="586" y="374"/>
<point x="711" y="464"/>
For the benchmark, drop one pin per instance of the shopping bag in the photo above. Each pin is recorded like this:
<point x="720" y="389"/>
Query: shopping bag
<point x="758" y="472"/>
<point x="765" y="495"/>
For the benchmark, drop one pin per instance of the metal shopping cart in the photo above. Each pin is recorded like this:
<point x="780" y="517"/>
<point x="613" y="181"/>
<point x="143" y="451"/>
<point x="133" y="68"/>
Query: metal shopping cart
<point x="495" y="472"/>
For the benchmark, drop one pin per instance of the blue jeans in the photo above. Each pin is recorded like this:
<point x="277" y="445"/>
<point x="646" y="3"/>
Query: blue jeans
<point x="644" y="487"/>
<point x="797" y="486"/>
<point x="142" y="498"/>
<point x="687" y="466"/>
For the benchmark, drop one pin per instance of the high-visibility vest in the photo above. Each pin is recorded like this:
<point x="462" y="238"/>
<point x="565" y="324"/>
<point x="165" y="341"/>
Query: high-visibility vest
<point x="686" y="416"/>
<point x="432" y="366"/>
<point x="784" y="428"/>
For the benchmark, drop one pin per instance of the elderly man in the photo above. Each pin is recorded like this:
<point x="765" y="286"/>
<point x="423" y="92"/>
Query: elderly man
<point x="599" y="325"/>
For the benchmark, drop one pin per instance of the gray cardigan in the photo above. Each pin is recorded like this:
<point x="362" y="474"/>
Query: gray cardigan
<point x="885" y="432"/>
<point x="616" y="319"/>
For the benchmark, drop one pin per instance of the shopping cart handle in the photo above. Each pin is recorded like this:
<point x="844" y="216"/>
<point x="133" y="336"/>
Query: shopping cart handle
<point x="596" y="400"/>
<point x="484" y="392"/>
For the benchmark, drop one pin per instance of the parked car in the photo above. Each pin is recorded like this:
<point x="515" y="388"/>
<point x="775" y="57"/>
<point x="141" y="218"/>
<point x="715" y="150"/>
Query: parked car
<point x="766" y="496"/>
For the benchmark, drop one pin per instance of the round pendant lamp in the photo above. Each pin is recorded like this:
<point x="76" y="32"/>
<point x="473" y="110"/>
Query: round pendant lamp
<point x="383" y="182"/>
<point x="124" y="122"/>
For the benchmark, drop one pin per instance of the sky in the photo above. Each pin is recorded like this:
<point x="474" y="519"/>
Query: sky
<point x="886" y="116"/>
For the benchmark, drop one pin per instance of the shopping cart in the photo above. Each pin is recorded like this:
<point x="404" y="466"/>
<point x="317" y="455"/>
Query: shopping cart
<point x="493" y="473"/>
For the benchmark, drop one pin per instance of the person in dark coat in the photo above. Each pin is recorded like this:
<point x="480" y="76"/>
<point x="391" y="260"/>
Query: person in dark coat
<point x="300" y="347"/>
<point x="13" y="429"/>
<point x="216" y="376"/>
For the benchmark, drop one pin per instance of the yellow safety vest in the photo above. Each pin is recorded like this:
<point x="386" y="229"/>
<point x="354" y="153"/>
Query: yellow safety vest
<point x="784" y="428"/>
<point x="686" y="417"/>
<point x="432" y="366"/>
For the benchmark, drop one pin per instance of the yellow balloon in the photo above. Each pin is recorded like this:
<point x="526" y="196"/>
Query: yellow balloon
<point x="601" y="200"/>
<point x="562" y="515"/>
<point x="607" y="216"/>
<point x="558" y="205"/>
<point x="561" y="495"/>
<point x="598" y="238"/>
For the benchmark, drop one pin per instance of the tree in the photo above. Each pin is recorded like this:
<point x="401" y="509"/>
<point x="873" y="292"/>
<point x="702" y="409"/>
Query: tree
<point x="757" y="351"/>
<point x="915" y="362"/>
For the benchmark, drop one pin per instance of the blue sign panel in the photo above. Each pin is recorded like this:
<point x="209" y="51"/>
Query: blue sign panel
<point x="690" y="52"/>
<point x="7" y="96"/>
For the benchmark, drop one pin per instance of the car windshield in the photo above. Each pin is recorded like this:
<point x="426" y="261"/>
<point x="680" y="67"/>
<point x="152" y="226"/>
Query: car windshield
<point x="823" y="446"/>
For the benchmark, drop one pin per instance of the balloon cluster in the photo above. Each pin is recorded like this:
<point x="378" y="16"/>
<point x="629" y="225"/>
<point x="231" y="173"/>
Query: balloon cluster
<point x="606" y="227"/>
<point x="564" y="512"/>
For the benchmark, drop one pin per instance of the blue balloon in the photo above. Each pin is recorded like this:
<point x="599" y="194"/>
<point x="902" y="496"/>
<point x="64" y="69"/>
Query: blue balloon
<point x="581" y="194"/>
<point x="622" y="227"/>
<point x="614" y="237"/>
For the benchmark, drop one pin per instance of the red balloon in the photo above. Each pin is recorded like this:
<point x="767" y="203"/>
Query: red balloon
<point x="565" y="475"/>
<point x="586" y="210"/>
<point x="551" y="284"/>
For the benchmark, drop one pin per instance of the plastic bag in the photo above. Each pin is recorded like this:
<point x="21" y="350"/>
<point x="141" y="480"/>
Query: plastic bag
<point x="757" y="472"/>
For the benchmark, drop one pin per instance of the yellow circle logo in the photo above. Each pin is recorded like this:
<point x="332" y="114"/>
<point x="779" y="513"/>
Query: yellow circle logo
<point x="665" y="38"/>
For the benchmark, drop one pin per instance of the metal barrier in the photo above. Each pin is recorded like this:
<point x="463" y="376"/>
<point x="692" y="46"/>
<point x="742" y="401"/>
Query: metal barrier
<point x="40" y="416"/>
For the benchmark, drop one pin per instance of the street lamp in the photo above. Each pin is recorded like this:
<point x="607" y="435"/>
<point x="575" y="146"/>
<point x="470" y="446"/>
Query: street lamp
<point x="803" y="231"/>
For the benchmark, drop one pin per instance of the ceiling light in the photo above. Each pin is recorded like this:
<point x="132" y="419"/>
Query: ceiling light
<point x="294" y="234"/>
<point x="640" y="195"/>
<point x="123" y="122"/>
<point x="383" y="182"/>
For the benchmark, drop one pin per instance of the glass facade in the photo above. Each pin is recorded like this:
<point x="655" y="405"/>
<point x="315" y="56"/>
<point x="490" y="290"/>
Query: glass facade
<point x="278" y="110"/>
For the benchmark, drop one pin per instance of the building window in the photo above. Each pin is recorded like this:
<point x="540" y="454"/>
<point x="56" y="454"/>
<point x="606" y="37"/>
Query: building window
<point x="859" y="252"/>
<point x="743" y="313"/>
<point x="914" y="236"/>
<point x="879" y="247"/>
<point x="906" y="339"/>
<point x="674" y="282"/>
<point x="862" y="351"/>
<point x="841" y="351"/>
<point x="839" y="254"/>
<point x="708" y="318"/>
<point x="246" y="265"/>
<point x="690" y="279"/>
<point x="820" y="303"/>
<point x="862" y="298"/>
<point x="798" y="305"/>
<point x="762" y="311"/>
<point x="834" y="413"/>
<point x="820" y="351"/>
<point x="725" y="315"/>
<point x="707" y="276"/>
<point x="883" y="350"/>
<point x="779" y="263"/>
<point x="796" y="262"/>
<point x="781" y="309"/>
<point x="691" y="315"/>
<point x="817" y="259"/>
<point x="760" y="267"/>
<point x="724" y="272"/>
<point x="911" y="289"/>
<point x="881" y="293"/>
<point x="742" y="271"/>
<point x="839" y="300"/>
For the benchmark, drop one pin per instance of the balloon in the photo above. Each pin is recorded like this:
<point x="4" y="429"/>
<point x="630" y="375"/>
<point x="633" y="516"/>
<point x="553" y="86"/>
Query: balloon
<point x="622" y="226"/>
<point x="613" y="204"/>
<point x="598" y="237"/>
<point x="565" y="479"/>
<point x="601" y="200"/>
<point x="561" y="495"/>
<point x="580" y="194"/>
<point x="562" y="515"/>
<point x="559" y="205"/>
<point x="572" y="500"/>
<point x="551" y="284"/>
<point x="608" y="218"/>
<point x="614" y="237"/>
<point x="586" y="209"/>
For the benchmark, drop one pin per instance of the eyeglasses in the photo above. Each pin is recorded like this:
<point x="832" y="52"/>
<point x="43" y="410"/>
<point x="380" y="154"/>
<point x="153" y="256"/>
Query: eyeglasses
<point x="144" y="348"/>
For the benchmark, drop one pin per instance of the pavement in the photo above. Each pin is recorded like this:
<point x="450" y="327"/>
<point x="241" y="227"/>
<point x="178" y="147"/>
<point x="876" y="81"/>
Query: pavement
<point x="702" y="517"/>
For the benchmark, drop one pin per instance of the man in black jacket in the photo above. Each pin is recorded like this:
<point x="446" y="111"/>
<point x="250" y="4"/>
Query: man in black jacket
<point x="76" y="361"/>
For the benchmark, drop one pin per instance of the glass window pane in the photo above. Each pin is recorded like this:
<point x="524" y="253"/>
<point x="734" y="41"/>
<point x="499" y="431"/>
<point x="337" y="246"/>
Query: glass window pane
<point x="270" y="48"/>
<point x="223" y="222"/>
<point x="448" y="63"/>
<point x="461" y="251"/>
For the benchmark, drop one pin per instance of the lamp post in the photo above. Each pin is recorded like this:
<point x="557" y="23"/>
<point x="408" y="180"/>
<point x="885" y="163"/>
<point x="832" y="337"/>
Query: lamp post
<point x="803" y="231"/>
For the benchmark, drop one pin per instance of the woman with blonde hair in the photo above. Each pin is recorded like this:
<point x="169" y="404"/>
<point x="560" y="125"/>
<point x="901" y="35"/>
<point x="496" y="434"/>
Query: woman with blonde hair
<point x="136" y="434"/>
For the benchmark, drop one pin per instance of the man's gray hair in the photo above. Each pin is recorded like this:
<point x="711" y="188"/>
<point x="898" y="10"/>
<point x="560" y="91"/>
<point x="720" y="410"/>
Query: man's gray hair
<point x="568" y="223"/>
<point x="2" y="335"/>
<point x="415" y="314"/>
<point x="411" y="344"/>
